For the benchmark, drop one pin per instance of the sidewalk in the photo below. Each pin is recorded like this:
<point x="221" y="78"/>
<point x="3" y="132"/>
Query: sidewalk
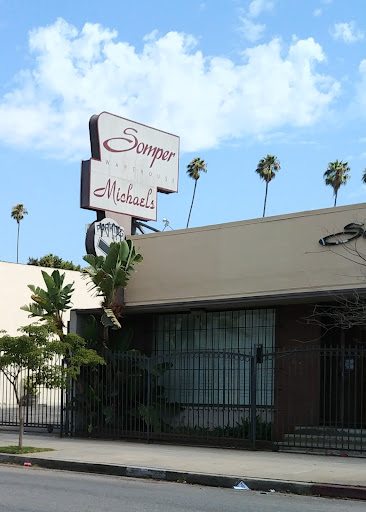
<point x="298" y="473"/>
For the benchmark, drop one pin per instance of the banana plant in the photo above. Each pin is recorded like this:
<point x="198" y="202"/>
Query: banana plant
<point x="51" y="303"/>
<point x="109" y="276"/>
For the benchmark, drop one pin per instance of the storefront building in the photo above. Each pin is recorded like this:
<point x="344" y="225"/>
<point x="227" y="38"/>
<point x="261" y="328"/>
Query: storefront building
<point x="209" y="298"/>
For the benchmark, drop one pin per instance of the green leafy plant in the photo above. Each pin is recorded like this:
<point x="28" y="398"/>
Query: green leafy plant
<point x="109" y="276"/>
<point x="34" y="352"/>
<point x="53" y="261"/>
<point x="124" y="394"/>
<point x="119" y="339"/>
<point x="50" y="303"/>
<point x="30" y="386"/>
<point x="159" y="409"/>
<point x="241" y="430"/>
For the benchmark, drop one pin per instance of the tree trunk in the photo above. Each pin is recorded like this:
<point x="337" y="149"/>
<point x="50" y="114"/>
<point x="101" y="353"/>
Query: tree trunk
<point x="335" y="199"/>
<point x="190" y="211"/>
<point x="18" y="243"/>
<point x="20" y="409"/>
<point x="265" y="199"/>
<point x="21" y="423"/>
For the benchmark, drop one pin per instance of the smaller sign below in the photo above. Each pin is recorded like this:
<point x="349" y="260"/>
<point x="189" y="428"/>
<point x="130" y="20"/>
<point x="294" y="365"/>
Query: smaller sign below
<point x="101" y="234"/>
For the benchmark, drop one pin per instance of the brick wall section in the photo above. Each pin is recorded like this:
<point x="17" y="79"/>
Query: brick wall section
<point x="296" y="375"/>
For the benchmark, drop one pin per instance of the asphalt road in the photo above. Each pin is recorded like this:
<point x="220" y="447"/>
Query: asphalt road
<point x="24" y="489"/>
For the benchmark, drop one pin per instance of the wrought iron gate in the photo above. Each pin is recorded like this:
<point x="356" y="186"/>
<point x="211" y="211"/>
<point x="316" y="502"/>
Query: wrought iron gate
<point x="304" y="399"/>
<point x="308" y="399"/>
<point x="42" y="408"/>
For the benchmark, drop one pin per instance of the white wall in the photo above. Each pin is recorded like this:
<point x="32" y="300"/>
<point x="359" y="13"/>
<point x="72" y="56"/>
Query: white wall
<point x="14" y="293"/>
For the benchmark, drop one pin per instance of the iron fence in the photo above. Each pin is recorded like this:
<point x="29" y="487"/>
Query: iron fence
<point x="199" y="396"/>
<point x="307" y="399"/>
<point x="302" y="399"/>
<point x="320" y="399"/>
<point x="42" y="407"/>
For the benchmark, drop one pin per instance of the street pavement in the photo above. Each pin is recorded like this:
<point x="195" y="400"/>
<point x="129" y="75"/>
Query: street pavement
<point x="38" y="490"/>
<point x="221" y="467"/>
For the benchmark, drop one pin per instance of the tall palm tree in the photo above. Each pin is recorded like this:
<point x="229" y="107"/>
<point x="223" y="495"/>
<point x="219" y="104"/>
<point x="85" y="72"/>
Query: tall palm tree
<point x="337" y="175"/>
<point x="17" y="212"/>
<point x="267" y="168"/>
<point x="194" y="169"/>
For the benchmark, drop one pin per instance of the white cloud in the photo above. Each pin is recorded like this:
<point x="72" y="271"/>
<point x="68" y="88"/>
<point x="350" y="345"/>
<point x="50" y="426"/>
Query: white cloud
<point x="347" y="32"/>
<point x="251" y="31"/>
<point x="319" y="11"/>
<point x="361" y="88"/>
<point x="256" y="7"/>
<point x="169" y="84"/>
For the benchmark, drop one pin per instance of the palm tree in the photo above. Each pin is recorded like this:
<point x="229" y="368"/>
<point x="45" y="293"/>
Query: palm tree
<point x="17" y="212"/>
<point x="267" y="168"/>
<point x="336" y="175"/>
<point x="194" y="169"/>
<point x="364" y="176"/>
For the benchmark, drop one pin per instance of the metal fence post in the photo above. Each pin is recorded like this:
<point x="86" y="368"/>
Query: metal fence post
<point x="62" y="413"/>
<point x="148" y="397"/>
<point x="253" y="396"/>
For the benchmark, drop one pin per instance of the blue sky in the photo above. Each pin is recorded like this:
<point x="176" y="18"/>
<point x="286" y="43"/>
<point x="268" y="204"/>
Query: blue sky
<point x="235" y="79"/>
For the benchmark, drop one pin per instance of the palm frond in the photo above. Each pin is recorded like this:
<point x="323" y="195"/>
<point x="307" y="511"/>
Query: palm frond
<point x="336" y="175"/>
<point x="267" y="168"/>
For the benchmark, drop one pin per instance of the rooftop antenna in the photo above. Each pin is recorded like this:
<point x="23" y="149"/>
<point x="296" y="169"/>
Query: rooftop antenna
<point x="166" y="224"/>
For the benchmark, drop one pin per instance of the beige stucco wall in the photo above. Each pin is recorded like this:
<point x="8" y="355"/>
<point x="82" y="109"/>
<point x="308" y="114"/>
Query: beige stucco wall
<point x="15" y="293"/>
<point x="255" y="258"/>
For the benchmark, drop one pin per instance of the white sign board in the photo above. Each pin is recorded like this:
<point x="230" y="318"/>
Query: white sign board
<point x="101" y="234"/>
<point x="130" y="163"/>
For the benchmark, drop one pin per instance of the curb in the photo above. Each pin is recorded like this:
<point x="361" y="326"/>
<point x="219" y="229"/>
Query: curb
<point x="255" y="484"/>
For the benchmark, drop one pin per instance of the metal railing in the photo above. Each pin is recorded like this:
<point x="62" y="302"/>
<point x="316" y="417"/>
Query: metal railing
<point x="303" y="399"/>
<point x="320" y="399"/>
<point x="203" y="396"/>
<point x="307" y="399"/>
<point x="42" y="407"/>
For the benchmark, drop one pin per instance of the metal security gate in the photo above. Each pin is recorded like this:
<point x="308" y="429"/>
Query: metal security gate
<point x="308" y="399"/>
<point x="42" y="408"/>
<point x="320" y="399"/>
<point x="199" y="397"/>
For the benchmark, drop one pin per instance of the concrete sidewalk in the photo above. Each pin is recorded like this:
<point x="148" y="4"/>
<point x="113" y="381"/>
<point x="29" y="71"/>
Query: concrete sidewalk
<point x="298" y="473"/>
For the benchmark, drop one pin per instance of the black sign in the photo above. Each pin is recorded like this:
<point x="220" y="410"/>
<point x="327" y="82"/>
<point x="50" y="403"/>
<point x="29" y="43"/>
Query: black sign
<point x="350" y="232"/>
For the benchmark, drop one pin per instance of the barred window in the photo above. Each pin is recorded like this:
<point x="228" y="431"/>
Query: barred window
<point x="207" y="353"/>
